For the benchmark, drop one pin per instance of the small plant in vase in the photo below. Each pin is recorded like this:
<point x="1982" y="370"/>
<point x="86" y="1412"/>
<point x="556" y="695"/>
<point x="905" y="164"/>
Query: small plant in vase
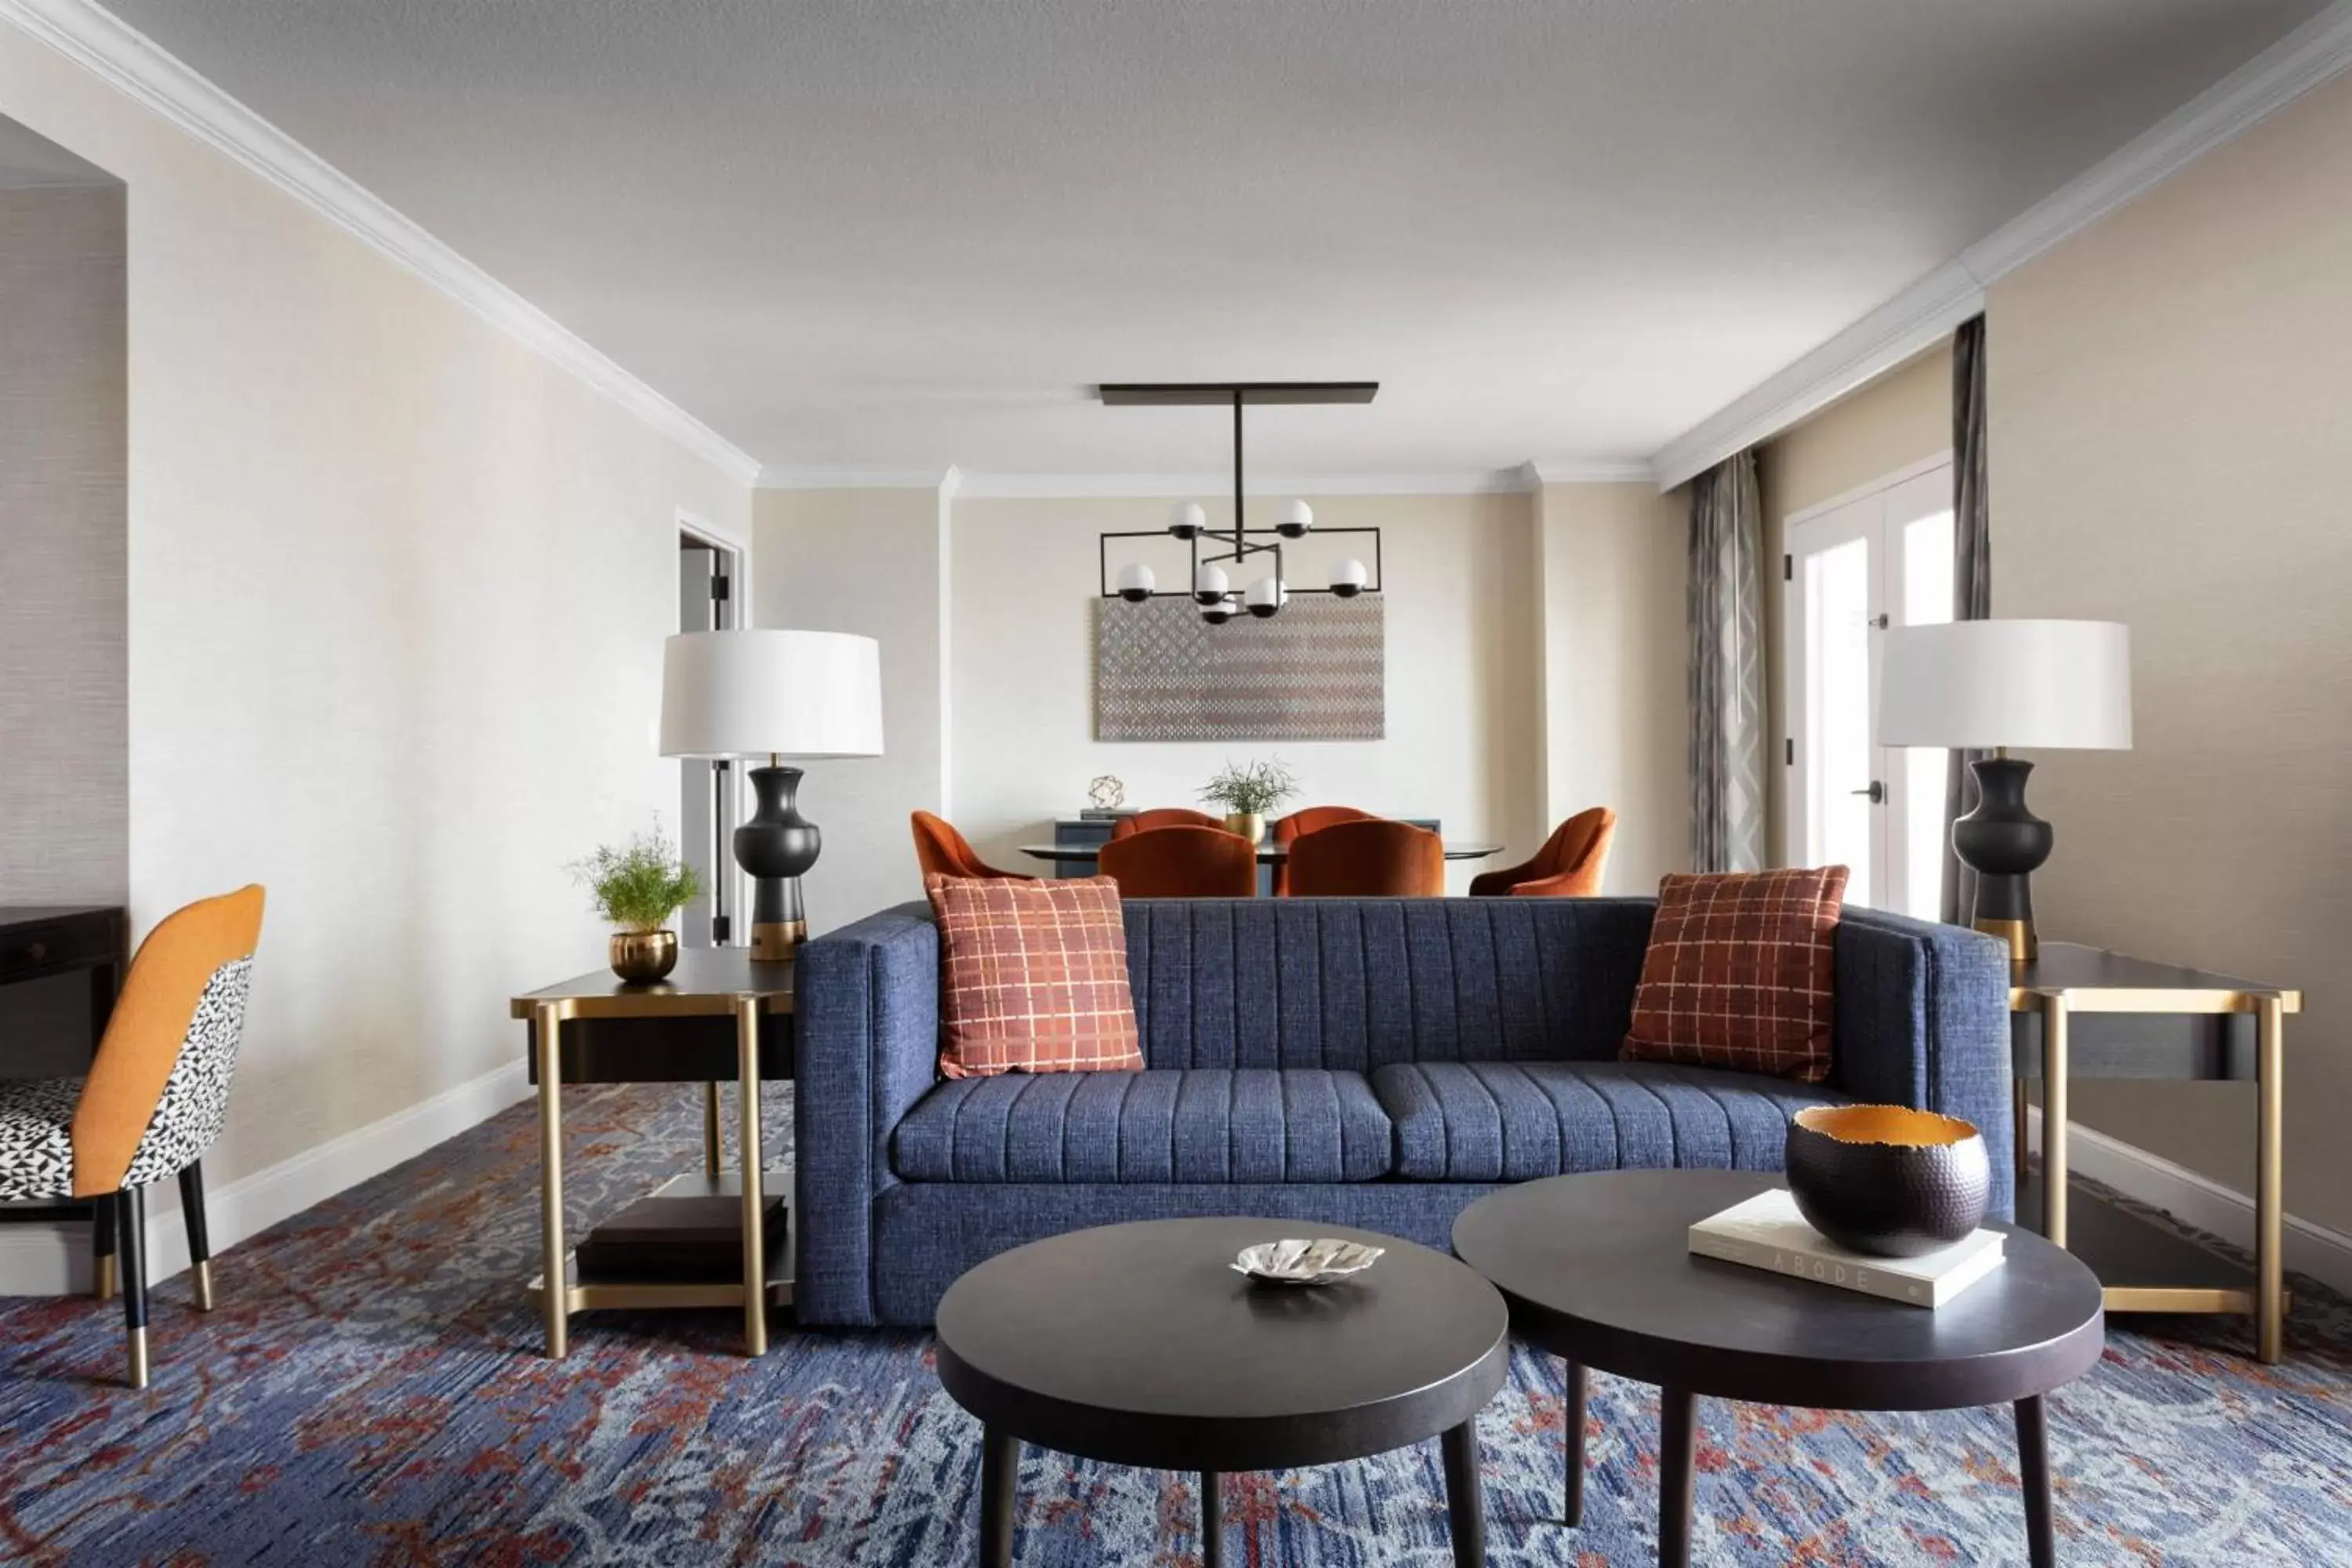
<point x="636" y="887"/>
<point x="1248" y="790"/>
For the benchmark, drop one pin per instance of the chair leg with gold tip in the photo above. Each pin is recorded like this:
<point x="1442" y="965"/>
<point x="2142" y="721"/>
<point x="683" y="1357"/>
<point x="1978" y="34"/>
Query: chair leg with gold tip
<point x="131" y="1216"/>
<point x="101" y="1248"/>
<point x="200" y="1247"/>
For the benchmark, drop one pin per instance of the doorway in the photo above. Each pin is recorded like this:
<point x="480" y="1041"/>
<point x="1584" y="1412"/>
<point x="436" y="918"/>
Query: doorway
<point x="709" y="595"/>
<point x="1878" y="558"/>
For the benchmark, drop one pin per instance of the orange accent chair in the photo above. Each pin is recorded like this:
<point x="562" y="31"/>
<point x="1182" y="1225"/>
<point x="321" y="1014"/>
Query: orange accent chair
<point x="1309" y="819"/>
<point x="152" y="1104"/>
<point x="941" y="851"/>
<point x="1164" y="816"/>
<point x="1182" y="862"/>
<point x="1372" y="859"/>
<point x="1568" y="866"/>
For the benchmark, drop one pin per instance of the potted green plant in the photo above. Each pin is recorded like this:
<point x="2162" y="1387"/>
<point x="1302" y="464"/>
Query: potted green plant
<point x="1248" y="790"/>
<point x="636" y="887"/>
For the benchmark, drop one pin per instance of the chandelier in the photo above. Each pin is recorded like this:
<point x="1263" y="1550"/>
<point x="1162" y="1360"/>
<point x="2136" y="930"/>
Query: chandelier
<point x="1246" y="549"/>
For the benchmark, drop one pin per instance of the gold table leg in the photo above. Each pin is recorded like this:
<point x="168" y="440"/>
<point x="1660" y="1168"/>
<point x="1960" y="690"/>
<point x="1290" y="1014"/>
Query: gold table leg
<point x="755" y="1249"/>
<point x="2017" y="1108"/>
<point x="2270" y="1201"/>
<point x="711" y="1130"/>
<point x="2054" y="1118"/>
<point x="554" y="1299"/>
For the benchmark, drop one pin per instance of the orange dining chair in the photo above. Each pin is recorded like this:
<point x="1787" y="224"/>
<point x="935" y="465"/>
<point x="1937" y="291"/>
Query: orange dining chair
<point x="1569" y="865"/>
<point x="1309" y="819"/>
<point x="151" y="1105"/>
<point x="941" y="850"/>
<point x="1181" y="863"/>
<point x="1368" y="860"/>
<point x="1164" y="816"/>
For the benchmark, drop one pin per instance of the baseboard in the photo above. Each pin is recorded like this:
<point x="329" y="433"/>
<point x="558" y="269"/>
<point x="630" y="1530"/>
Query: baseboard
<point x="2199" y="1200"/>
<point x="54" y="1260"/>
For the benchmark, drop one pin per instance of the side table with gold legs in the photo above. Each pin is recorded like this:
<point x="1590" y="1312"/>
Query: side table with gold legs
<point x="720" y="1017"/>
<point x="2081" y="1012"/>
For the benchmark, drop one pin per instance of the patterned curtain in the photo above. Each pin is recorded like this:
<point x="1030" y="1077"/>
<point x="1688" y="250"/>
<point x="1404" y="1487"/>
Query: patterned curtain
<point x="1972" y="581"/>
<point x="1727" y="668"/>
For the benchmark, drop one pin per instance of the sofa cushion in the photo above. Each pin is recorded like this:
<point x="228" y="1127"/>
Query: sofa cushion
<point x="1514" y="1121"/>
<point x="1199" y="1124"/>
<point x="1741" y="972"/>
<point x="1033" y="976"/>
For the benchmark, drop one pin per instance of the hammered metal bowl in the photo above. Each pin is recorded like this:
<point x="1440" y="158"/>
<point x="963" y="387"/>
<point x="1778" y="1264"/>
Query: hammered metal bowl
<point x="1886" y="1179"/>
<point x="1296" y="1261"/>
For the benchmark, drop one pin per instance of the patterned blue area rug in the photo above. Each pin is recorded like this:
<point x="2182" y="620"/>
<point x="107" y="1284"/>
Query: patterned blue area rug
<point x="370" y="1391"/>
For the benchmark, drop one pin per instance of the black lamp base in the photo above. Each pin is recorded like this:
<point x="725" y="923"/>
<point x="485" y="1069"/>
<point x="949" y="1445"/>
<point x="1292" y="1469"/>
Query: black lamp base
<point x="2005" y="844"/>
<point x="776" y="846"/>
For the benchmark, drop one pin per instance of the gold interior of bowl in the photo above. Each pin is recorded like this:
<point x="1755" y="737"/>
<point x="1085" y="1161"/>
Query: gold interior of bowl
<point x="1898" y="1124"/>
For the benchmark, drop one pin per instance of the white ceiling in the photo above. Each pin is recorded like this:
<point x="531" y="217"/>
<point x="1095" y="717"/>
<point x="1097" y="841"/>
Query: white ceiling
<point x="866" y="235"/>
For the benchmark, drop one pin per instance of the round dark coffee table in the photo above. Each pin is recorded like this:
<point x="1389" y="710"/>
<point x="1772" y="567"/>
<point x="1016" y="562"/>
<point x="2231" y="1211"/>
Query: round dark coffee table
<point x="1138" y="1344"/>
<point x="1598" y="1271"/>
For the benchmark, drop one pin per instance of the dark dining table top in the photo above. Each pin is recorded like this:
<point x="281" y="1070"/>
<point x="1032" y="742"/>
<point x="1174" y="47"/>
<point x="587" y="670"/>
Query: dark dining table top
<point x="1267" y="854"/>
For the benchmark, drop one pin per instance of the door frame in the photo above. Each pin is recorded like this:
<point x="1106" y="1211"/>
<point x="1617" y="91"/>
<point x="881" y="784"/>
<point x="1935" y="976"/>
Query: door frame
<point x="1796" y="670"/>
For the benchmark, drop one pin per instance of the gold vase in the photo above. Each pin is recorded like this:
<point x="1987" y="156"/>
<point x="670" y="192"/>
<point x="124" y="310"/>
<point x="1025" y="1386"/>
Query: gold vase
<point x="641" y="957"/>
<point x="1250" y="825"/>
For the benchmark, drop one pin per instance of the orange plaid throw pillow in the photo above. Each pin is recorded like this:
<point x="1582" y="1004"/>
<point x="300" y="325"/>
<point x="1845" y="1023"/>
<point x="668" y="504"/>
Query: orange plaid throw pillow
<point x="1740" y="974"/>
<point x="1033" y="976"/>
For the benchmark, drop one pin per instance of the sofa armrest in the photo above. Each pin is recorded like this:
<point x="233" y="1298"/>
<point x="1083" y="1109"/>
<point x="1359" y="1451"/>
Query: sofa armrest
<point x="1923" y="1020"/>
<point x="867" y="1044"/>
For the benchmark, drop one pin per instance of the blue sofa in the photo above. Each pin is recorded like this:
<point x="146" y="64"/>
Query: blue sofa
<point x="1376" y="1062"/>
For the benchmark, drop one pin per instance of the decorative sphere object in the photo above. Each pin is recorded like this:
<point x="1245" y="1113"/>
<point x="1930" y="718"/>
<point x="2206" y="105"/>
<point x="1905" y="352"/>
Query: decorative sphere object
<point x="1136" y="582"/>
<point x="1264" y="598"/>
<point x="1210" y="584"/>
<point x="1107" y="792"/>
<point x="1349" y="578"/>
<point x="1886" y="1179"/>
<point x="1187" y="518"/>
<point x="1294" y="520"/>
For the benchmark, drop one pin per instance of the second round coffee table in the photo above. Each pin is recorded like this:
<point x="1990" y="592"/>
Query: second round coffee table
<point x="1138" y="1344"/>
<point x="1598" y="1271"/>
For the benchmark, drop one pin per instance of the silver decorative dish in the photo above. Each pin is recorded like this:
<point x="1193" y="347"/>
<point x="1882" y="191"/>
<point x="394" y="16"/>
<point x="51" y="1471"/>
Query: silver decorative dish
<point x="1296" y="1261"/>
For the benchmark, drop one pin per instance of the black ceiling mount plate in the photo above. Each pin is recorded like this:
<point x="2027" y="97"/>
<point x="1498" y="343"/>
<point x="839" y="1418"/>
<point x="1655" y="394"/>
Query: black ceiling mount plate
<point x="1220" y="393"/>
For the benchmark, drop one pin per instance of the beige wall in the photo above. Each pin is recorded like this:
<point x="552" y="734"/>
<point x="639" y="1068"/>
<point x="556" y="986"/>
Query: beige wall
<point x="1462" y="654"/>
<point x="397" y="592"/>
<point x="64" y="529"/>
<point x="1903" y="417"/>
<point x="870" y="561"/>
<point x="1613" y="568"/>
<point x="2170" y="397"/>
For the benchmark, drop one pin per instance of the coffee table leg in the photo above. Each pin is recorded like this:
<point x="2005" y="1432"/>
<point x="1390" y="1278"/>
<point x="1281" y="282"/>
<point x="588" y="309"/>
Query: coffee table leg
<point x="1677" y="1455"/>
<point x="1572" y="1419"/>
<point x="1000" y="1474"/>
<point x="1212" y="1520"/>
<point x="2033" y="1469"/>
<point x="1465" y="1499"/>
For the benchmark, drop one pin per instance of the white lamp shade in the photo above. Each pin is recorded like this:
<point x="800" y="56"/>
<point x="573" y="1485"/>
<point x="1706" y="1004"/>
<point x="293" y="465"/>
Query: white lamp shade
<point x="1187" y="514"/>
<point x="1210" y="583"/>
<point x="1137" y="578"/>
<point x="1266" y="591"/>
<point x="1295" y="514"/>
<point x="2028" y="684"/>
<point x="1348" y="573"/>
<point x="789" y="694"/>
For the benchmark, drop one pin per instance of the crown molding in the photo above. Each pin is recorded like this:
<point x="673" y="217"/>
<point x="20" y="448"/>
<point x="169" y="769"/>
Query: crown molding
<point x="1540" y="471"/>
<point x="930" y="479"/>
<point x="1091" y="487"/>
<point x="1914" y="320"/>
<point x="134" y="65"/>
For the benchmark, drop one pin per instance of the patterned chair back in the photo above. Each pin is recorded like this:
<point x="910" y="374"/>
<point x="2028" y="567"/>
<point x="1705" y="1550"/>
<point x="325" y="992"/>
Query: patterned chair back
<point x="158" y="1091"/>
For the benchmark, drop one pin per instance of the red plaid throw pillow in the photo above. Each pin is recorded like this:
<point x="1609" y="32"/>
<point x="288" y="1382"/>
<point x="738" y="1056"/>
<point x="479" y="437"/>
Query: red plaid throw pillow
<point x="1033" y="976"/>
<point x="1741" y="974"/>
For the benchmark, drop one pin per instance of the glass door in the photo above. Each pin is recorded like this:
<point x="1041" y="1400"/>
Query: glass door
<point x="1854" y="568"/>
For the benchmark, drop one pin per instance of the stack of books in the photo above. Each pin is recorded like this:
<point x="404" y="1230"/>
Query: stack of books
<point x="1766" y="1232"/>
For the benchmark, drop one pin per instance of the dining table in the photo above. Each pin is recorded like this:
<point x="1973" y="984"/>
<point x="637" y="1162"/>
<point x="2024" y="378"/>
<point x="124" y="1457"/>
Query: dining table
<point x="1268" y="854"/>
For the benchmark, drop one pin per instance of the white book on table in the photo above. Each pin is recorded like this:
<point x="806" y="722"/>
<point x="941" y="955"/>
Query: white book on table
<point x="1768" y="1232"/>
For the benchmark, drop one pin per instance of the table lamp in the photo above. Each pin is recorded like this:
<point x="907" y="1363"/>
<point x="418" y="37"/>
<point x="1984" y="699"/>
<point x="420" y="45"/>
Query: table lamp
<point x="773" y="694"/>
<point x="1990" y="686"/>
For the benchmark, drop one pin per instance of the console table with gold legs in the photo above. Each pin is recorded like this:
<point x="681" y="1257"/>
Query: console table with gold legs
<point x="720" y="1017"/>
<point x="2082" y="1012"/>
